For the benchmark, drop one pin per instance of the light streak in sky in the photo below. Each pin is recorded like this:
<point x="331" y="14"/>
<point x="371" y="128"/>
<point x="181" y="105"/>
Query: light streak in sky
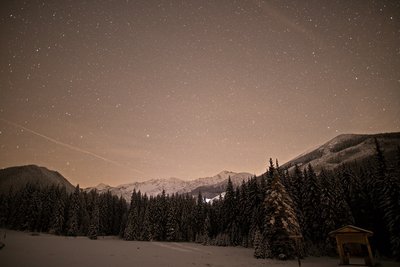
<point x="74" y="148"/>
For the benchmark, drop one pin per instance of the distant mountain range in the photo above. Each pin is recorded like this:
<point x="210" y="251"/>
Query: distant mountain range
<point x="212" y="186"/>
<point x="344" y="148"/>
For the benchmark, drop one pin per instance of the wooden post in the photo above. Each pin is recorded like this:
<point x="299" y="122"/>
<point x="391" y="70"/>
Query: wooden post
<point x="340" y="250"/>
<point x="296" y="239"/>
<point x="370" y="260"/>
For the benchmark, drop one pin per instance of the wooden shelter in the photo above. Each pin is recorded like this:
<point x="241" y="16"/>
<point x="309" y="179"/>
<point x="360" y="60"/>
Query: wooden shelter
<point x="352" y="234"/>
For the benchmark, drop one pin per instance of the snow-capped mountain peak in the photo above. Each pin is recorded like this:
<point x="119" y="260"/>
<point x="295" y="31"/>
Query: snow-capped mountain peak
<point x="172" y="185"/>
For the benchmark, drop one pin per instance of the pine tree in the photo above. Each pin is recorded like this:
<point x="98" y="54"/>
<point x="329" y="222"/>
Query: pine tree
<point x="312" y="208"/>
<point x="343" y="213"/>
<point x="3" y="210"/>
<point x="390" y="204"/>
<point x="95" y="219"/>
<point x="73" y="214"/>
<point x="259" y="245"/>
<point x="24" y="212"/>
<point x="84" y="217"/>
<point x="206" y="230"/>
<point x="347" y="182"/>
<point x="360" y="201"/>
<point x="298" y="193"/>
<point x="132" y="225"/>
<point x="254" y="204"/>
<point x="35" y="210"/>
<point x="270" y="172"/>
<point x="280" y="222"/>
<point x="146" y="234"/>
<point x="58" y="216"/>
<point x="172" y="225"/>
<point x="244" y="214"/>
<point x="199" y="215"/>
<point x="159" y="216"/>
<point x="328" y="209"/>
<point x="48" y="205"/>
<point x="229" y="209"/>
<point x="379" y="200"/>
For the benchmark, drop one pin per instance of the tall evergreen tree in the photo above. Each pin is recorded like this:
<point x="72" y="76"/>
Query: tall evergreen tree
<point x="270" y="172"/>
<point x="199" y="215"/>
<point x="58" y="217"/>
<point x="280" y="222"/>
<point x="328" y="209"/>
<point x="379" y="191"/>
<point x="95" y="219"/>
<point x="73" y="214"/>
<point x="172" y="226"/>
<point x="298" y="195"/>
<point x="259" y="245"/>
<point x="312" y="208"/>
<point x="390" y="205"/>
<point x="132" y="226"/>
<point x="229" y="211"/>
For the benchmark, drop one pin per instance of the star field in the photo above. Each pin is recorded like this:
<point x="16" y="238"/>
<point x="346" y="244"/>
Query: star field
<point x="122" y="91"/>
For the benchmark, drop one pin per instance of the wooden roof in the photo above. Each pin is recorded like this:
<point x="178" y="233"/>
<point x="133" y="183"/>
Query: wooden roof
<point x="351" y="229"/>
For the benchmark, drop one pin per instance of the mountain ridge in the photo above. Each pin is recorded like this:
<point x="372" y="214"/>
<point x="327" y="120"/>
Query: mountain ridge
<point x="172" y="185"/>
<point x="345" y="148"/>
<point x="18" y="176"/>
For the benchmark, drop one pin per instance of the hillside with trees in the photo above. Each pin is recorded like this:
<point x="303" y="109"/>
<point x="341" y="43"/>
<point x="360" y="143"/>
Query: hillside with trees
<point x="265" y="212"/>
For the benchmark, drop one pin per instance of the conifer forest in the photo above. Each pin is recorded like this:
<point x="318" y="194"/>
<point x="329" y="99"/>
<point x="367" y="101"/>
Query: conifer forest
<point x="265" y="212"/>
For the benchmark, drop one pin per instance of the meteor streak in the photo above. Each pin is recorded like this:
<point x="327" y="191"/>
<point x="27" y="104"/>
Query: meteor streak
<point x="67" y="145"/>
<point x="278" y="16"/>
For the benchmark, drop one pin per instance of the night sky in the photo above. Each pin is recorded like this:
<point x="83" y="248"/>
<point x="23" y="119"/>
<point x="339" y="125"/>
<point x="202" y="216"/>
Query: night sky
<point x="124" y="91"/>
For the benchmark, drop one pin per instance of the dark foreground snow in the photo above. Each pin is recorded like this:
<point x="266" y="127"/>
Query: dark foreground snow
<point x="24" y="249"/>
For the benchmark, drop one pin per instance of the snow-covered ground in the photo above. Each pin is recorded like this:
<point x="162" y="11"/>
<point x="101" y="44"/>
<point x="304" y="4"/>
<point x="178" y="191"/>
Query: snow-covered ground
<point x="23" y="249"/>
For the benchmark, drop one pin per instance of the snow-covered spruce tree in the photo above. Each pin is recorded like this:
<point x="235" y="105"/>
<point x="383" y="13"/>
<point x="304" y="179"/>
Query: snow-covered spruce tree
<point x="48" y="203"/>
<point x="58" y="216"/>
<point x="3" y="210"/>
<point x="123" y="207"/>
<point x="244" y="214"/>
<point x="199" y="213"/>
<point x="259" y="245"/>
<point x="270" y="172"/>
<point x="34" y="210"/>
<point x="378" y="186"/>
<point x="390" y="204"/>
<point x="161" y="216"/>
<point x="328" y="209"/>
<point x="254" y="204"/>
<point x="343" y="212"/>
<point x="84" y="217"/>
<point x="95" y="219"/>
<point x="206" y="230"/>
<point x="280" y="222"/>
<point x="229" y="209"/>
<point x="73" y="214"/>
<point x="132" y="225"/>
<point x="146" y="229"/>
<point x="172" y="226"/>
<point x="297" y="195"/>
<point x="312" y="208"/>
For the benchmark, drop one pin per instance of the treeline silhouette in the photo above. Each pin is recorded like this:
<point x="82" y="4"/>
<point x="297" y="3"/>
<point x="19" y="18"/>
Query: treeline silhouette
<point x="268" y="212"/>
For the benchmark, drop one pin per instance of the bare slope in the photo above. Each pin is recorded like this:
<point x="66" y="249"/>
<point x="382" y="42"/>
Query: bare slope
<point x="345" y="148"/>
